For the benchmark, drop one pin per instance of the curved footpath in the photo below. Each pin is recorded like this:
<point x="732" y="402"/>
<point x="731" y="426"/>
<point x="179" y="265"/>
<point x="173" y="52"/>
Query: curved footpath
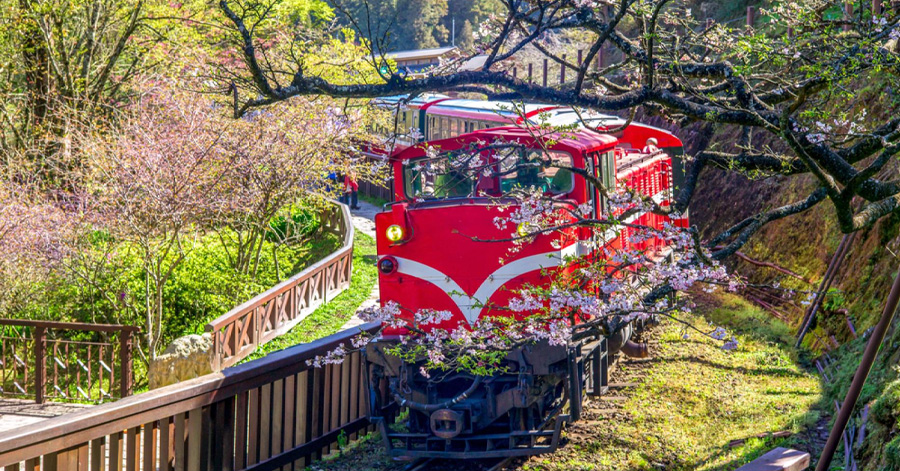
<point x="364" y="221"/>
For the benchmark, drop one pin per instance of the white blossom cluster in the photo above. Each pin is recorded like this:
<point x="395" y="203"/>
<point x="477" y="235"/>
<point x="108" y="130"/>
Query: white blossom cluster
<point x="585" y="289"/>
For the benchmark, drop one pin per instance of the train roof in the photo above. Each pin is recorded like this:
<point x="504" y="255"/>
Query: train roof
<point x="418" y="100"/>
<point x="553" y="115"/>
<point x="576" y="141"/>
<point x="494" y="108"/>
<point x="502" y="112"/>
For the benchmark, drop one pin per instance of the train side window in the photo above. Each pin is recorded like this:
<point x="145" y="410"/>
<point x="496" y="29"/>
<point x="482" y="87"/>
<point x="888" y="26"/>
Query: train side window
<point x="593" y="194"/>
<point x="609" y="170"/>
<point x="413" y="122"/>
<point x="408" y="121"/>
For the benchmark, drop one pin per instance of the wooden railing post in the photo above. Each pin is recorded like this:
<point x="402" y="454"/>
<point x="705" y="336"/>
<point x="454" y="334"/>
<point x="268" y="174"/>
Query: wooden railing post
<point x="125" y="353"/>
<point x="40" y="366"/>
<point x="562" y="70"/>
<point x="217" y="347"/>
<point x="545" y="72"/>
<point x="876" y="7"/>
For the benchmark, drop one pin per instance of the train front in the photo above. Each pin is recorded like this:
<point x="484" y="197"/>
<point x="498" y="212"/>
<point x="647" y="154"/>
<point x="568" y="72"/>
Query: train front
<point x="439" y="247"/>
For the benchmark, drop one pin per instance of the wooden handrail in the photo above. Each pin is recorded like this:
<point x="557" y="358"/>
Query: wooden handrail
<point x="222" y="412"/>
<point x="240" y="331"/>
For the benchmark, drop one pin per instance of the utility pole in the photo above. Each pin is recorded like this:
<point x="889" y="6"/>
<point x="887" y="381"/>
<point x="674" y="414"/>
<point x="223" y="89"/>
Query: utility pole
<point x="453" y="31"/>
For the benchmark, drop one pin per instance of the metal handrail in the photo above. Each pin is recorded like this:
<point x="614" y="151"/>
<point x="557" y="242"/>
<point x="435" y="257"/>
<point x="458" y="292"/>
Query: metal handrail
<point x="46" y="366"/>
<point x="70" y="325"/>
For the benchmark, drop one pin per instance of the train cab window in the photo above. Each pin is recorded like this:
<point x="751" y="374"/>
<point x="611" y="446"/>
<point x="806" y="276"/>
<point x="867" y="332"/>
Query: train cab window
<point x="461" y="174"/>
<point x="537" y="168"/>
<point x="451" y="174"/>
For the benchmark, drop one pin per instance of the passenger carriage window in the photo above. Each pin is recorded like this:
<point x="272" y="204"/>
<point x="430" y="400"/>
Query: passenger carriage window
<point x="432" y="124"/>
<point x="445" y="128"/>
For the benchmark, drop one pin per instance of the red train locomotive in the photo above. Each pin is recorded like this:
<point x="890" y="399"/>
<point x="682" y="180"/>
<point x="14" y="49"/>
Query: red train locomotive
<point x="431" y="254"/>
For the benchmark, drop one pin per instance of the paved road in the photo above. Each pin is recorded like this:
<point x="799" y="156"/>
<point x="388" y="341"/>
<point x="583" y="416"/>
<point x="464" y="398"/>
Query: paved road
<point x="364" y="218"/>
<point x="16" y="413"/>
<point x="364" y="221"/>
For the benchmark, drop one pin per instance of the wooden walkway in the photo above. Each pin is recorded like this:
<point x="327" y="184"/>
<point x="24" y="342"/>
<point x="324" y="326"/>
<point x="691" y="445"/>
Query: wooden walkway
<point x="16" y="413"/>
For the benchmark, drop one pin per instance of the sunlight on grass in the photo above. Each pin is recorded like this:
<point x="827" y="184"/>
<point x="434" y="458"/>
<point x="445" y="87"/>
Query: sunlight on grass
<point x="327" y="319"/>
<point x="692" y="398"/>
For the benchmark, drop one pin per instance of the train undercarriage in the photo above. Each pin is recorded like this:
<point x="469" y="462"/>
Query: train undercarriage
<point x="457" y="415"/>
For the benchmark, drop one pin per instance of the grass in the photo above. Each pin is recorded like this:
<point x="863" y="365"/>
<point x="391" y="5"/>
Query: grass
<point x="692" y="398"/>
<point x="329" y="318"/>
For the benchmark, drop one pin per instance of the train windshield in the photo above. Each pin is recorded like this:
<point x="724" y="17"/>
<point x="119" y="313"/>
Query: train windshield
<point x="488" y="173"/>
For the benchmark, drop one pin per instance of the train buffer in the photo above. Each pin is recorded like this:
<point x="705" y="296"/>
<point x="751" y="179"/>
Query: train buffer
<point x="779" y="459"/>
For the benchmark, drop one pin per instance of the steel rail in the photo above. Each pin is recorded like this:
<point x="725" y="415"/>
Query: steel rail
<point x="859" y="378"/>
<point x="836" y="261"/>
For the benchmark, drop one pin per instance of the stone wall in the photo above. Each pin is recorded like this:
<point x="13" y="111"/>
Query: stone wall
<point x="185" y="358"/>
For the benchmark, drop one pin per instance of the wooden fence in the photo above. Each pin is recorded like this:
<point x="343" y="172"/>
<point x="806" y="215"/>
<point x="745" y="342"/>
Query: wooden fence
<point x="65" y="360"/>
<point x="379" y="190"/>
<point x="272" y="413"/>
<point x="239" y="332"/>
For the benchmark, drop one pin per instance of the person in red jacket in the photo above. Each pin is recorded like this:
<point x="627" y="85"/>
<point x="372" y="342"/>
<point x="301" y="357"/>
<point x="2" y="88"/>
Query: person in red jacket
<point x="351" y="190"/>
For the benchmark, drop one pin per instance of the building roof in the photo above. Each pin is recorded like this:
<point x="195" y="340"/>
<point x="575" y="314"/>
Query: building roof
<point x="419" y="53"/>
<point x="475" y="63"/>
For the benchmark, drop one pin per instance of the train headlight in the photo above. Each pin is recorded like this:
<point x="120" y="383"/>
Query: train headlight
<point x="522" y="230"/>
<point x="394" y="233"/>
<point x="387" y="265"/>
